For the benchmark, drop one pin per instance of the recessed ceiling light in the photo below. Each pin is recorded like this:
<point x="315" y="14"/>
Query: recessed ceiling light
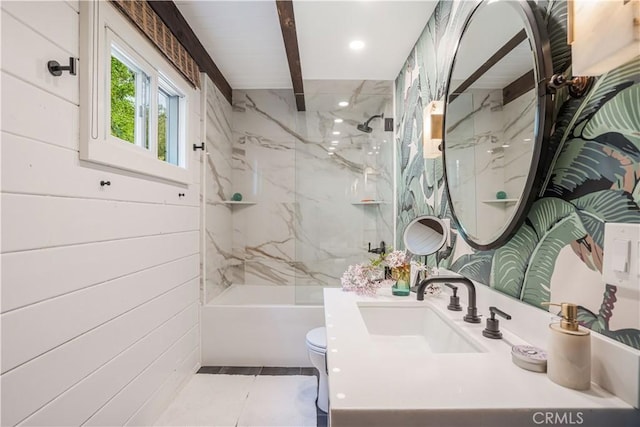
<point x="338" y="120"/>
<point x="505" y="145"/>
<point x="332" y="148"/>
<point x="330" y="153"/>
<point x="335" y="132"/>
<point x="356" y="44"/>
<point x="335" y="142"/>
<point x="527" y="139"/>
<point x="370" y="153"/>
<point x="343" y="103"/>
<point x="490" y="151"/>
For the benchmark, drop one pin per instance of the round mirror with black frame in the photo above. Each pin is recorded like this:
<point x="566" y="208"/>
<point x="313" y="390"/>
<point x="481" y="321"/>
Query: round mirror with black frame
<point x="497" y="118"/>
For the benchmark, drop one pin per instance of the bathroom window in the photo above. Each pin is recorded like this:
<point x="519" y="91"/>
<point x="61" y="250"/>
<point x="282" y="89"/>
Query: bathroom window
<point x="135" y="107"/>
<point x="169" y="146"/>
<point x="129" y="90"/>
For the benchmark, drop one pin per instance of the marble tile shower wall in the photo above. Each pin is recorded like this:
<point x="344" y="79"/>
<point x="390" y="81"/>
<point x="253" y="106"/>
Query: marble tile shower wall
<point x="557" y="254"/>
<point x="304" y="229"/>
<point x="218" y="236"/>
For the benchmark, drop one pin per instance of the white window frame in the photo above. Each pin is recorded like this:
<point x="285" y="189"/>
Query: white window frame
<point x="101" y="25"/>
<point x="131" y="60"/>
<point x="168" y="87"/>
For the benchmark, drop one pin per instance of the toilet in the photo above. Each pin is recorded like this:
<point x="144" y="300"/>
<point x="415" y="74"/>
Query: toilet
<point x="317" y="348"/>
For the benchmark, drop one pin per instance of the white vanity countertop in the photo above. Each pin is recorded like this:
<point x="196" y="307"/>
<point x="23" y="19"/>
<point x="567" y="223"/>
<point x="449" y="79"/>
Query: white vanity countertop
<point x="367" y="376"/>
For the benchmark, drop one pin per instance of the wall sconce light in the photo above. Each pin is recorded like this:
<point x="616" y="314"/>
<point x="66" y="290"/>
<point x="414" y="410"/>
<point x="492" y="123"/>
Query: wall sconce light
<point x="432" y="130"/>
<point x="603" y="34"/>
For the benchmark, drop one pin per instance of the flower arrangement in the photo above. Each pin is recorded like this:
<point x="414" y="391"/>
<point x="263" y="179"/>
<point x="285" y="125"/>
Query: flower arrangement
<point x="400" y="264"/>
<point x="361" y="278"/>
<point x="366" y="279"/>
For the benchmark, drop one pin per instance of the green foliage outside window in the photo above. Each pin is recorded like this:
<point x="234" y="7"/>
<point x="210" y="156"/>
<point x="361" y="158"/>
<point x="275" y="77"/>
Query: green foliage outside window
<point x="162" y="132"/>
<point x="123" y="104"/>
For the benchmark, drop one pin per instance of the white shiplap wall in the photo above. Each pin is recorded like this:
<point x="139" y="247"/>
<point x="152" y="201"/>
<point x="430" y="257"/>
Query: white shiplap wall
<point x="99" y="306"/>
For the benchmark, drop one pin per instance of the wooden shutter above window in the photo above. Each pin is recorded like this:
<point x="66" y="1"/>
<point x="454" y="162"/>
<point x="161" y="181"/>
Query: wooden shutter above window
<point x="147" y="21"/>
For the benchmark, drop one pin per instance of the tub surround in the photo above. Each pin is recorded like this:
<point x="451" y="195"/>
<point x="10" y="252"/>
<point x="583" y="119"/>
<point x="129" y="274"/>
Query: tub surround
<point x="281" y="162"/>
<point x="259" y="325"/>
<point x="372" y="383"/>
<point x="217" y="254"/>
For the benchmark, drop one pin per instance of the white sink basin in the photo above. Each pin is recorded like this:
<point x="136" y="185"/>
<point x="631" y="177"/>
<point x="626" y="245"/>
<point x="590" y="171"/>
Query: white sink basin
<point x="416" y="328"/>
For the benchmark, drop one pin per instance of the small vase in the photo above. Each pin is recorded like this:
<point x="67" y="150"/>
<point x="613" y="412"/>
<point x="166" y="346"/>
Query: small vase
<point x="403" y="285"/>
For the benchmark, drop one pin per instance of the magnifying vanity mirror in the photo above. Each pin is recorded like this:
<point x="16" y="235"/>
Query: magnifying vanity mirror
<point x="425" y="235"/>
<point x="497" y="118"/>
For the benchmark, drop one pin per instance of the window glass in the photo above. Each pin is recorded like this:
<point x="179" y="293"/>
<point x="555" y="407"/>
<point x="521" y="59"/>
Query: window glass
<point x="168" y="126"/>
<point x="129" y="101"/>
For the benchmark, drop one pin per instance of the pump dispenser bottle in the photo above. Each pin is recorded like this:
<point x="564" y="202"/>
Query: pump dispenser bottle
<point x="569" y="355"/>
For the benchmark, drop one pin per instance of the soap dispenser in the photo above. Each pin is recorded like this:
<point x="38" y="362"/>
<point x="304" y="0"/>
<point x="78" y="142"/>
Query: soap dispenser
<point x="569" y="355"/>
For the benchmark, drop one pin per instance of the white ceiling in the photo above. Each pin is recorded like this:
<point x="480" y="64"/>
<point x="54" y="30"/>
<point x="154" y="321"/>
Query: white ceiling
<point x="243" y="38"/>
<point x="492" y="26"/>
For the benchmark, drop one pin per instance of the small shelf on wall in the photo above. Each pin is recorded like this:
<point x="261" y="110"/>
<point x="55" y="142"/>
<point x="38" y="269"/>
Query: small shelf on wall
<point x="500" y="201"/>
<point x="369" y="202"/>
<point x="233" y="202"/>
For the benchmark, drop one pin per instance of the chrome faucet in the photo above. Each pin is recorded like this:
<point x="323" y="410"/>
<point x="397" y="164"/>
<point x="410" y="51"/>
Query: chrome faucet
<point x="472" y="310"/>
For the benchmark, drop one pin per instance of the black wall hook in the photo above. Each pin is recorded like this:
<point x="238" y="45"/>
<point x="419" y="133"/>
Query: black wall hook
<point x="103" y="183"/>
<point x="56" y="69"/>
<point x="198" y="147"/>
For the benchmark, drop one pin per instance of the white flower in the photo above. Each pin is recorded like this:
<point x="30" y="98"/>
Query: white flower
<point x="363" y="279"/>
<point x="396" y="259"/>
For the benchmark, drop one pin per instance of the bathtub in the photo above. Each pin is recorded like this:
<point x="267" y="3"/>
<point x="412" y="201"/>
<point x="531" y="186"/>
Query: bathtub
<point x="253" y="325"/>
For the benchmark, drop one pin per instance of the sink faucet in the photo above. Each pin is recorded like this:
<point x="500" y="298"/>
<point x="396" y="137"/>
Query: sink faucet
<point x="472" y="310"/>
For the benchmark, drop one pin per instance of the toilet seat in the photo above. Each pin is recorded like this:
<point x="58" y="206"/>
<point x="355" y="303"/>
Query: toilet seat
<point x="317" y="340"/>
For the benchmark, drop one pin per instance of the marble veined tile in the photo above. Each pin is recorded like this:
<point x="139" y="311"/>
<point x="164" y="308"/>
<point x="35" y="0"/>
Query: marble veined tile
<point x="265" y="231"/>
<point x="269" y="272"/>
<point x="264" y="406"/>
<point x="218" y="233"/>
<point x="264" y="169"/>
<point x="209" y="400"/>
<point x="268" y="113"/>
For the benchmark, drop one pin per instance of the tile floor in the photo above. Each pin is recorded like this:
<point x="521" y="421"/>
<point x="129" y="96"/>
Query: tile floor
<point x="247" y="397"/>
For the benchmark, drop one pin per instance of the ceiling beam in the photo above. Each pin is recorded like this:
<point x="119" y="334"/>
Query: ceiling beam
<point x="171" y="16"/>
<point x="495" y="58"/>
<point x="288" y="27"/>
<point x="518" y="87"/>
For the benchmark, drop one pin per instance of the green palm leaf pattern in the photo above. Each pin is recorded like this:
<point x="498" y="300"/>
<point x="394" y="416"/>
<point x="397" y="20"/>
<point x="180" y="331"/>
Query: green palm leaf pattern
<point x="608" y="87"/>
<point x="610" y="206"/>
<point x="630" y="337"/>
<point x="511" y="260"/>
<point x="557" y="30"/>
<point x="589" y="320"/>
<point x="606" y="206"/>
<point x="547" y="212"/>
<point x="536" y="287"/>
<point x="535" y="246"/>
<point x="582" y="167"/>
<point x="636" y="193"/>
<point x="475" y="266"/>
<point x="622" y="113"/>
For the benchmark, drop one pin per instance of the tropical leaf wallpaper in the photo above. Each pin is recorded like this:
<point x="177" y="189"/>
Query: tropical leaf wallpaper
<point x="593" y="177"/>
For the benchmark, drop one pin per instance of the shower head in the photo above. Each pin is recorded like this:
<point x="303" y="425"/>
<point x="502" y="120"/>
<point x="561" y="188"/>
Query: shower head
<point x="364" y="127"/>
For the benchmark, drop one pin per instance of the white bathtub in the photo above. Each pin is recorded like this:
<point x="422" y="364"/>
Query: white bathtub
<point x="252" y="325"/>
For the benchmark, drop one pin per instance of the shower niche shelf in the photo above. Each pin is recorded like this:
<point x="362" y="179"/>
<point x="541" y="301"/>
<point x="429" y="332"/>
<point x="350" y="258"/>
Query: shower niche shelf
<point x="233" y="202"/>
<point x="370" y="202"/>
<point x="500" y="201"/>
